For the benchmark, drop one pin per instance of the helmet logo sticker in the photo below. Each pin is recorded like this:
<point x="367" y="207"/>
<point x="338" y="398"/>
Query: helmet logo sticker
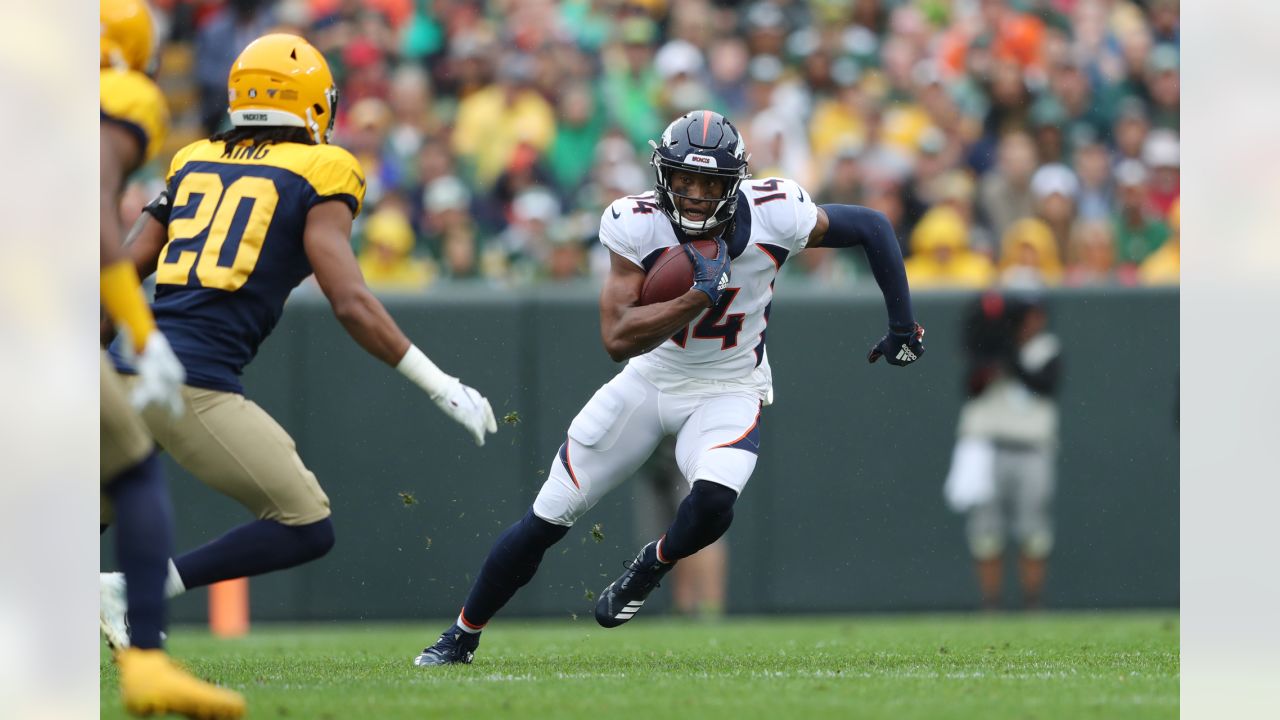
<point x="253" y="93"/>
<point x="695" y="159"/>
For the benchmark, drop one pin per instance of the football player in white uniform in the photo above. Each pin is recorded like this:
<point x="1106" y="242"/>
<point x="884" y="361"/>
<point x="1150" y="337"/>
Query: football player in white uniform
<point x="697" y="364"/>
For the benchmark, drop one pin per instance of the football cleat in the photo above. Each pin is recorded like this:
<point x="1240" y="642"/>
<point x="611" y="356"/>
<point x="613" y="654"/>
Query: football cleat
<point x="112" y="610"/>
<point x="455" y="647"/>
<point x="624" y="597"/>
<point x="152" y="684"/>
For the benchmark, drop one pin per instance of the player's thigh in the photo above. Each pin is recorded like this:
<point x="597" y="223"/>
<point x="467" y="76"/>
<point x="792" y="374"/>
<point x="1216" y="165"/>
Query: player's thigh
<point x="720" y="441"/>
<point x="124" y="440"/>
<point x="233" y="446"/>
<point x="608" y="440"/>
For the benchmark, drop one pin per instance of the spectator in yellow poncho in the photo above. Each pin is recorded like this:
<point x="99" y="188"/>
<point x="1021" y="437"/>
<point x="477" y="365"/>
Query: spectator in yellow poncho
<point x="1163" y="266"/>
<point x="385" y="258"/>
<point x="492" y="123"/>
<point x="1029" y="254"/>
<point x="940" y="253"/>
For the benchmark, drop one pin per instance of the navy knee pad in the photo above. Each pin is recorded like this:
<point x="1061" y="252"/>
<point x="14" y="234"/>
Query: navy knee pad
<point x="713" y="500"/>
<point x="702" y="518"/>
<point x="317" y="538"/>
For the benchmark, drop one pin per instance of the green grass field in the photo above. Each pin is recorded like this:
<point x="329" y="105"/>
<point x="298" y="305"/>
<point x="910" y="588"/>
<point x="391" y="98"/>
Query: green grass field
<point x="1112" y="665"/>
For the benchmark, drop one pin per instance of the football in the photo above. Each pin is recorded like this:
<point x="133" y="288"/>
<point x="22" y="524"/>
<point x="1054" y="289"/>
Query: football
<point x="672" y="275"/>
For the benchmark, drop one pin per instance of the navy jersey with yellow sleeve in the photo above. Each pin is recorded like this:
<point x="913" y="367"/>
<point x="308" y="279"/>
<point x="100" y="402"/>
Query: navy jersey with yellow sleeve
<point x="132" y="100"/>
<point x="235" y="218"/>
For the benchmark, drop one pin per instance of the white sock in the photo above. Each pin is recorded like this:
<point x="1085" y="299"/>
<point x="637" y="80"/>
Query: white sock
<point x="467" y="628"/>
<point x="173" y="586"/>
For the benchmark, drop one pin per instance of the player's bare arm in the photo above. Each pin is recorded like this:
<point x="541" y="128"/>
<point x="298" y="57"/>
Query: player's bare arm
<point x="159" y="371"/>
<point x="849" y="225"/>
<point x="120" y="154"/>
<point x="141" y="246"/>
<point x="327" y="241"/>
<point x="629" y="329"/>
<point x="146" y="239"/>
<point x="328" y="245"/>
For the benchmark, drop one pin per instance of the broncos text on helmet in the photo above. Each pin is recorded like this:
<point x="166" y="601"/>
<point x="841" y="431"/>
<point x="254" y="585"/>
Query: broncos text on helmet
<point x="701" y="142"/>
<point x="281" y="80"/>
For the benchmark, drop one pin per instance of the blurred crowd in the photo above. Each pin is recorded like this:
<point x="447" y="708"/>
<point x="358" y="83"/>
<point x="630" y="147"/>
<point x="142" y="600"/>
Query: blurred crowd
<point x="1025" y="142"/>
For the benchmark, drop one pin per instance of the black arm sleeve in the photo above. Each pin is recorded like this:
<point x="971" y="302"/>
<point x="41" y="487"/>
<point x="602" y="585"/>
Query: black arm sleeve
<point x="159" y="208"/>
<point x="854" y="225"/>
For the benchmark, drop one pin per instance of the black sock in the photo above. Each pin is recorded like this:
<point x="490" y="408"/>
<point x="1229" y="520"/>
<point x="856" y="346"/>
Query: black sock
<point x="144" y="541"/>
<point x="702" y="518"/>
<point x="511" y="564"/>
<point x="253" y="549"/>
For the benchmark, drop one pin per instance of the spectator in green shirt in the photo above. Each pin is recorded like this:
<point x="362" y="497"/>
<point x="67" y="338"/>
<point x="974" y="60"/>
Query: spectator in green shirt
<point x="1138" y="231"/>
<point x="632" y="88"/>
<point x="579" y="127"/>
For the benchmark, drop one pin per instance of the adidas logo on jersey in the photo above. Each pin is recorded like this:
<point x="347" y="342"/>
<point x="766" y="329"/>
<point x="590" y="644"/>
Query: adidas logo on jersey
<point x="905" y="354"/>
<point x="724" y="281"/>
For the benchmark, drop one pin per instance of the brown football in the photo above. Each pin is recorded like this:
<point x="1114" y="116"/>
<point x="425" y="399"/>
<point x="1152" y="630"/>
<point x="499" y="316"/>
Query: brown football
<point x="672" y="275"/>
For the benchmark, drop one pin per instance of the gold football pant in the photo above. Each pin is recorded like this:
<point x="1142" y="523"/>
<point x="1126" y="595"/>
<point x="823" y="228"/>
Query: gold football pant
<point x="233" y="446"/>
<point x="124" y="438"/>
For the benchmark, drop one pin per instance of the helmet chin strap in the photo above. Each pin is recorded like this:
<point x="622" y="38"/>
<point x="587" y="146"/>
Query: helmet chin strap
<point x="677" y="218"/>
<point x="314" y="127"/>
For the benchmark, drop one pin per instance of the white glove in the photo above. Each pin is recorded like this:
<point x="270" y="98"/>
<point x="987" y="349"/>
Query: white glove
<point x="160" y="374"/>
<point x="467" y="407"/>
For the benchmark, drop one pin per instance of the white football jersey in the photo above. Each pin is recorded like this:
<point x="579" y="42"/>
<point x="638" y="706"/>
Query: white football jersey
<point x="725" y="346"/>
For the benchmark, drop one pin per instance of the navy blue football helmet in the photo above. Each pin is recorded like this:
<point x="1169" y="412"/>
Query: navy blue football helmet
<point x="700" y="142"/>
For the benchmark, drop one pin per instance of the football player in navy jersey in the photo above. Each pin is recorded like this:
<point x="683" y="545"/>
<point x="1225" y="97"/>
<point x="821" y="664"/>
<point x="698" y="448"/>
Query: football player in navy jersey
<point x="696" y="365"/>
<point x="245" y="216"/>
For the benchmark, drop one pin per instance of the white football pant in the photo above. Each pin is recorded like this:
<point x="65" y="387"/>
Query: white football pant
<point x="717" y="438"/>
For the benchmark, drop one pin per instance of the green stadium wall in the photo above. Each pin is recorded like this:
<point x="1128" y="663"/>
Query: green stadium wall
<point x="844" y="512"/>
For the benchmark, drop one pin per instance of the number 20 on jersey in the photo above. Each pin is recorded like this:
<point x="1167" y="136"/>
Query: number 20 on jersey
<point x="216" y="213"/>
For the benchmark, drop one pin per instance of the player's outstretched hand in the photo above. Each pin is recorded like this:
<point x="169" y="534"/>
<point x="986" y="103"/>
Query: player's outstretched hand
<point x="160" y="375"/>
<point x="899" y="348"/>
<point x="468" y="408"/>
<point x="710" y="275"/>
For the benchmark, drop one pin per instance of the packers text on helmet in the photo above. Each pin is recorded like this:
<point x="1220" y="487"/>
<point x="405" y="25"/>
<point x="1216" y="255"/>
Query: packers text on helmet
<point x="281" y="80"/>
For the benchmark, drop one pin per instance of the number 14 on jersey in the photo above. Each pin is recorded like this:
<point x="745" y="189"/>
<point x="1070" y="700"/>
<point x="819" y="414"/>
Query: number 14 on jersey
<point x="716" y="323"/>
